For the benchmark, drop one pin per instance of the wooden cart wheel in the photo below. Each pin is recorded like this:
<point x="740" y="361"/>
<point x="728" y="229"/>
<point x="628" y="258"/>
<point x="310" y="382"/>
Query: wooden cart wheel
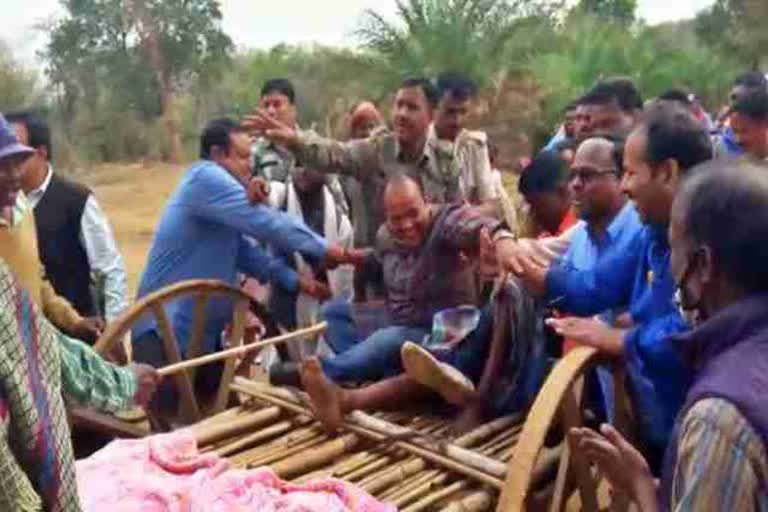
<point x="202" y="291"/>
<point x="560" y="399"/>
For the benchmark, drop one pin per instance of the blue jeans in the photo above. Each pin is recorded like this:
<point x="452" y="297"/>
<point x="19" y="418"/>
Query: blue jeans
<point x="378" y="356"/>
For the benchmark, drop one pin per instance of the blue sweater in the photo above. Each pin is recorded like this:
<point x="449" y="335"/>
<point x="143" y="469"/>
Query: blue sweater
<point x="203" y="233"/>
<point x="639" y="277"/>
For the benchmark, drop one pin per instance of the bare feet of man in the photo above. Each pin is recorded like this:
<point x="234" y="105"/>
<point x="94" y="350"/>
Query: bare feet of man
<point x="326" y="396"/>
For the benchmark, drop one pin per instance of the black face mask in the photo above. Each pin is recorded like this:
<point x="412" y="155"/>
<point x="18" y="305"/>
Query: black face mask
<point x="690" y="309"/>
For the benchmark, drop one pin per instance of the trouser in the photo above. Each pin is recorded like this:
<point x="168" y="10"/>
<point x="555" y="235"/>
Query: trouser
<point x="148" y="348"/>
<point x="378" y="355"/>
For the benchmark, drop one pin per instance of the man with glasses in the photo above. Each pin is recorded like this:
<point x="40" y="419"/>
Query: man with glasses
<point x="659" y="152"/>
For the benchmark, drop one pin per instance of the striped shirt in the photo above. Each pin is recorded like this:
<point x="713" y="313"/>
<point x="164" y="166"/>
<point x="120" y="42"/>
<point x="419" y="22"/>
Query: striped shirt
<point x="721" y="462"/>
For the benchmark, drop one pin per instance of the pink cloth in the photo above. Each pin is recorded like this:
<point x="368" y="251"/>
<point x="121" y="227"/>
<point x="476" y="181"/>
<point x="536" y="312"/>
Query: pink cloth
<point x="167" y="473"/>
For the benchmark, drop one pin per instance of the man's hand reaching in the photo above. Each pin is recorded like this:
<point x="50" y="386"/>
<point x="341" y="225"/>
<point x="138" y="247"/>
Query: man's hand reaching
<point x="314" y="288"/>
<point x="337" y="255"/>
<point x="267" y="126"/>
<point x="258" y="190"/>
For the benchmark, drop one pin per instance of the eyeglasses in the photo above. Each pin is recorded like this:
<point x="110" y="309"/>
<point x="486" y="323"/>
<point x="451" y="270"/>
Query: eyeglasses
<point x="587" y="174"/>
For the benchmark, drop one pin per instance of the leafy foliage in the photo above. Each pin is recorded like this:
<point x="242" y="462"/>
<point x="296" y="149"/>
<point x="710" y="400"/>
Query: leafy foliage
<point x="737" y="27"/>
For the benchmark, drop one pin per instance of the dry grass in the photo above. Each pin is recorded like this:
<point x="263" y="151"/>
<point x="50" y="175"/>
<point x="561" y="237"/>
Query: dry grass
<point x="133" y="197"/>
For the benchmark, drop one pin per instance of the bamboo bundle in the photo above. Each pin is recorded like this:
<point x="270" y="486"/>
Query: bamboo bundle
<point x="487" y="474"/>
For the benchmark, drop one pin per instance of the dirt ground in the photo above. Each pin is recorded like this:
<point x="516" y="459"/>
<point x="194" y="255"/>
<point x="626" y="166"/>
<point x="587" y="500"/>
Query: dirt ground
<point x="133" y="197"/>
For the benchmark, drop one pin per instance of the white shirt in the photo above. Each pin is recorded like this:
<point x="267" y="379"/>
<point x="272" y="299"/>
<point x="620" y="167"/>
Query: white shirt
<point x="99" y="243"/>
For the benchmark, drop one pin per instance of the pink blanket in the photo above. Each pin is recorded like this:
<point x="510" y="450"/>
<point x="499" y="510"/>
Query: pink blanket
<point x="166" y="473"/>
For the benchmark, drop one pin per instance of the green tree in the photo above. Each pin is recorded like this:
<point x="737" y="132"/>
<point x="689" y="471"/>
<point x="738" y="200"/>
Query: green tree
<point x="144" y="51"/>
<point x="620" y="11"/>
<point x="471" y="36"/>
<point x="737" y="27"/>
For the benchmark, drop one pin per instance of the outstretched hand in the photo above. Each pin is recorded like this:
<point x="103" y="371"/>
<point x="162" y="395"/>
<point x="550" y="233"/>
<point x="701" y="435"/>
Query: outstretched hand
<point x="590" y="332"/>
<point x="147" y="380"/>
<point x="337" y="255"/>
<point x="258" y="190"/>
<point x="314" y="288"/>
<point x="261" y="123"/>
<point x="621" y="463"/>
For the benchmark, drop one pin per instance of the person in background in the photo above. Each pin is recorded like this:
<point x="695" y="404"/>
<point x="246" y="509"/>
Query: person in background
<point x="749" y="123"/>
<point x="544" y="185"/>
<point x="77" y="247"/>
<point x="725" y="143"/>
<point x="609" y="108"/>
<point x="307" y="197"/>
<point x="18" y="243"/>
<point x="272" y="161"/>
<point x="567" y="130"/>
<point x="364" y="121"/>
<point x="717" y="458"/>
<point x="451" y="139"/>
<point x="659" y="152"/>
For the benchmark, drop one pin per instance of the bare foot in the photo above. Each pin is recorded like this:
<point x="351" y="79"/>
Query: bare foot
<point x="326" y="397"/>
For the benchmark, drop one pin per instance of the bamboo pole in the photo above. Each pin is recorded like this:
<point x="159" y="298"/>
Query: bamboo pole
<point x="267" y="459"/>
<point x="207" y="434"/>
<point x="443" y="459"/>
<point x="251" y="439"/>
<point x="369" y="468"/>
<point x="433" y="498"/>
<point x="308" y="460"/>
<point x="392" y="494"/>
<point x="478" y="501"/>
<point x="487" y="430"/>
<point x="240" y="351"/>
<point x="421" y="490"/>
<point x="396" y="475"/>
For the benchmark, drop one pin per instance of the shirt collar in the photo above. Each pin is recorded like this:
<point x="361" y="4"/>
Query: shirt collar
<point x="35" y="195"/>
<point x="17" y="213"/>
<point x="425" y="156"/>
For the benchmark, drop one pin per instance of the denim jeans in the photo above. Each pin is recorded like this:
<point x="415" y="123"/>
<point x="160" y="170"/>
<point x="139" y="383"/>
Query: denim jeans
<point x="378" y="356"/>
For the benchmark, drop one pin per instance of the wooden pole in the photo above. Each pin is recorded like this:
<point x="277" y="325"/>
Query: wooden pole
<point x="240" y="351"/>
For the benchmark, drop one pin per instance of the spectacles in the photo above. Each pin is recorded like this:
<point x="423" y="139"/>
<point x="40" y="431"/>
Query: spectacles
<point x="588" y="174"/>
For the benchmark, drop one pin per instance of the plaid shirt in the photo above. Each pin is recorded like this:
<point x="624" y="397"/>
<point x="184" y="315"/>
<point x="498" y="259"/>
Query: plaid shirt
<point x="37" y="366"/>
<point x="721" y="461"/>
<point x="438" y="275"/>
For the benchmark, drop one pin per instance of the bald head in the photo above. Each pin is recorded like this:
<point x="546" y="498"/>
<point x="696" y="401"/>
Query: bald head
<point x="597" y="152"/>
<point x="406" y="210"/>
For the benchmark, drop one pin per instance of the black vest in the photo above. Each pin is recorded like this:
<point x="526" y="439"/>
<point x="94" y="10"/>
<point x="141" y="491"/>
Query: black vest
<point x="58" y="216"/>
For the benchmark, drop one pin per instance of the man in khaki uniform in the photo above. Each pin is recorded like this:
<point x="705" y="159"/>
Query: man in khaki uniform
<point x="404" y="149"/>
<point x="449" y="135"/>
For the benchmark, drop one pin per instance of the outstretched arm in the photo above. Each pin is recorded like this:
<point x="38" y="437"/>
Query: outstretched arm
<point x="326" y="155"/>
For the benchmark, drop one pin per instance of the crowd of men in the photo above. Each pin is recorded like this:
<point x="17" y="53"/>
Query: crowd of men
<point x="650" y="233"/>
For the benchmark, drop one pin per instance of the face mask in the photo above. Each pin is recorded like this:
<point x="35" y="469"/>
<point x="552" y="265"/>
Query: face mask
<point x="688" y="308"/>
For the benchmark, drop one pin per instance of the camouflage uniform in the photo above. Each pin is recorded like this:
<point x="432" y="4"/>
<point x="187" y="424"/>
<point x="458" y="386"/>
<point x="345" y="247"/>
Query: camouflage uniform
<point x="372" y="160"/>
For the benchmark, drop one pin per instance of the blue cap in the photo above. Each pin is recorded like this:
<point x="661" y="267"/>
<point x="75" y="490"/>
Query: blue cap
<point x="9" y="144"/>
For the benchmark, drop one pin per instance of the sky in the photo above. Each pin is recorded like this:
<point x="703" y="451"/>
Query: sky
<point x="261" y="24"/>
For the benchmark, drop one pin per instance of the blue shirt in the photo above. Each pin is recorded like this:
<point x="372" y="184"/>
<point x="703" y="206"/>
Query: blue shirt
<point x="202" y="235"/>
<point x="640" y="277"/>
<point x="585" y="249"/>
